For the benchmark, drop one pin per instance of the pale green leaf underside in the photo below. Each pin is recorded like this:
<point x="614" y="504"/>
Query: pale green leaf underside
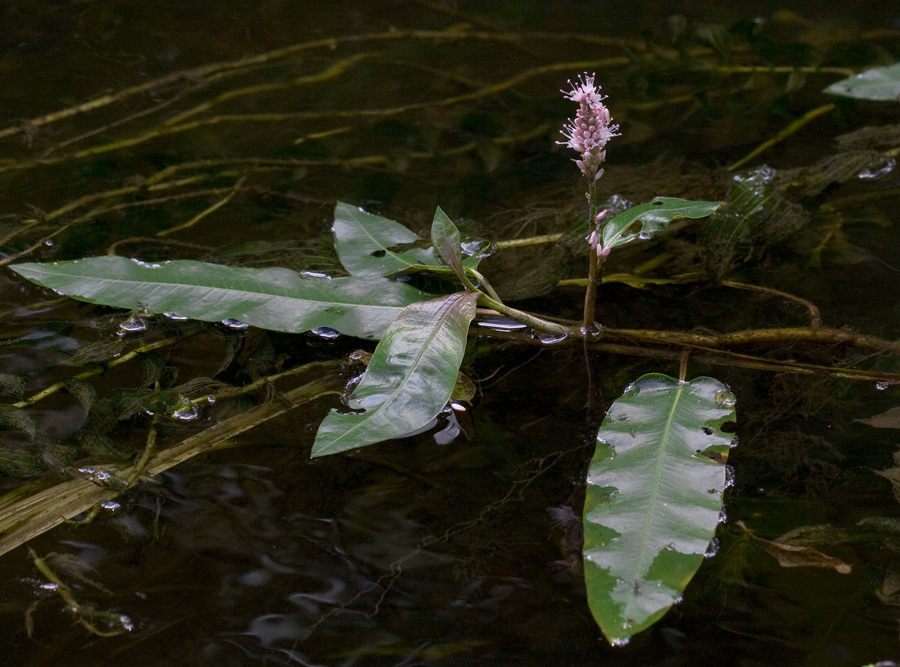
<point x="653" y="500"/>
<point x="643" y="221"/>
<point x="410" y="377"/>
<point x="276" y="299"/>
<point x="881" y="84"/>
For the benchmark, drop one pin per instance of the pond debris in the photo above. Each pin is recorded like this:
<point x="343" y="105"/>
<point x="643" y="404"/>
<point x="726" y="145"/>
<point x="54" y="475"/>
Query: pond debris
<point x="789" y="555"/>
<point x="85" y="615"/>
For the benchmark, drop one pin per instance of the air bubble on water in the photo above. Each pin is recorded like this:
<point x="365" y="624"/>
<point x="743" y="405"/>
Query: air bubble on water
<point x="210" y="399"/>
<point x="501" y="324"/>
<point x="623" y="641"/>
<point x="548" y="338"/>
<point x="48" y="243"/>
<point x="881" y="386"/>
<point x="725" y="399"/>
<point x="473" y="248"/>
<point x="317" y="275"/>
<point x="110" y="505"/>
<point x="185" y="411"/>
<point x="631" y="391"/>
<point x="126" y="623"/>
<point x="878" y="170"/>
<point x="232" y="323"/>
<point x="644" y="236"/>
<point x="325" y="332"/>
<point x="175" y="316"/>
<point x="133" y="323"/>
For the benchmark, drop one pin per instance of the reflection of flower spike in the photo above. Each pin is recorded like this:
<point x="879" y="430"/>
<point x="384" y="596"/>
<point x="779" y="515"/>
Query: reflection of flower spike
<point x="592" y="127"/>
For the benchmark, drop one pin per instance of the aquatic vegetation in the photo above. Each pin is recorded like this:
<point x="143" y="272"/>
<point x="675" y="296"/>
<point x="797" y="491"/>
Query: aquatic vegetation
<point x="654" y="490"/>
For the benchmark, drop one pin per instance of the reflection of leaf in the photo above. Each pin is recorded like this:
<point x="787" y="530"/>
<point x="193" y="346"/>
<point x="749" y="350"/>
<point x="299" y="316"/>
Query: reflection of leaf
<point x="409" y="379"/>
<point x="880" y="84"/>
<point x="276" y="299"/>
<point x="789" y="555"/>
<point x="889" y="419"/>
<point x="652" y="502"/>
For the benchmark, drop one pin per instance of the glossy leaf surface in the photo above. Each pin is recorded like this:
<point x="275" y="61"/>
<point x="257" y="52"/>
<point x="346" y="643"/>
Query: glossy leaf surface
<point x="366" y="243"/>
<point x="881" y="84"/>
<point x="641" y="222"/>
<point x="654" y="494"/>
<point x="277" y="299"/>
<point x="410" y="377"/>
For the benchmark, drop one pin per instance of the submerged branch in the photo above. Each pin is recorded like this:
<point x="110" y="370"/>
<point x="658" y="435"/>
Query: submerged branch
<point x="33" y="510"/>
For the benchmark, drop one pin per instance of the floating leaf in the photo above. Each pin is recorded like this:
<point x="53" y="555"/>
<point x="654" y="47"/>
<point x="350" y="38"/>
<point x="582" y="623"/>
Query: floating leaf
<point x="364" y="243"/>
<point x="881" y="84"/>
<point x="367" y="244"/>
<point x="409" y="379"/>
<point x="653" y="500"/>
<point x="641" y="222"/>
<point x="276" y="299"/>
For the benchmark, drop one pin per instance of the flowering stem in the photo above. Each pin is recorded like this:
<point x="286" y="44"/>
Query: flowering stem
<point x="589" y="326"/>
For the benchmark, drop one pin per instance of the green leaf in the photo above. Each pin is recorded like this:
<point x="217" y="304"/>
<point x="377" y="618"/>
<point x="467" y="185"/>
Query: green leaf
<point x="881" y="84"/>
<point x="641" y="222"/>
<point x="366" y="245"/>
<point x="653" y="499"/>
<point x="363" y="242"/>
<point x="410" y="378"/>
<point x="277" y="299"/>
<point x="446" y="239"/>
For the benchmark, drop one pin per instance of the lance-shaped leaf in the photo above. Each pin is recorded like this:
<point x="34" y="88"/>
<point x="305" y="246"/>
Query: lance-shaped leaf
<point x="654" y="494"/>
<point x="881" y="84"/>
<point x="641" y="222"/>
<point x="446" y="239"/>
<point x="277" y="299"/>
<point x="410" y="378"/>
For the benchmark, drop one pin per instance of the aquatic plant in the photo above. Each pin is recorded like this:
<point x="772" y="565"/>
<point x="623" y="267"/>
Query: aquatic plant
<point x="654" y="487"/>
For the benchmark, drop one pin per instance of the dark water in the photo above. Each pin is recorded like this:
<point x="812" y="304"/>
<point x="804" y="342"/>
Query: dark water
<point x="415" y="553"/>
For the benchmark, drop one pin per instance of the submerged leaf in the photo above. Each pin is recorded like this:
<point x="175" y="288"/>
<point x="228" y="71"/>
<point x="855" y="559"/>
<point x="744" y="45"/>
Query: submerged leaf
<point x="888" y="419"/>
<point x="653" y="501"/>
<point x="276" y="299"/>
<point x="641" y="222"/>
<point x="881" y="84"/>
<point x="790" y="555"/>
<point x="410" y="377"/>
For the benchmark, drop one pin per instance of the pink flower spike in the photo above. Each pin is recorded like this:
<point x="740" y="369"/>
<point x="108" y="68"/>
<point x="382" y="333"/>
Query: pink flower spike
<point x="592" y="127"/>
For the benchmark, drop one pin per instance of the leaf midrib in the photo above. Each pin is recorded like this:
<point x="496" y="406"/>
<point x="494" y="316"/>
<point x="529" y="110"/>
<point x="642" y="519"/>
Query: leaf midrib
<point x="212" y="288"/>
<point x="412" y="367"/>
<point x="657" y="475"/>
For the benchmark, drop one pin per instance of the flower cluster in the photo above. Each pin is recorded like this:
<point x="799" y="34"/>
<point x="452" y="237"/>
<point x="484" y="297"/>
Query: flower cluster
<point x="592" y="129"/>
